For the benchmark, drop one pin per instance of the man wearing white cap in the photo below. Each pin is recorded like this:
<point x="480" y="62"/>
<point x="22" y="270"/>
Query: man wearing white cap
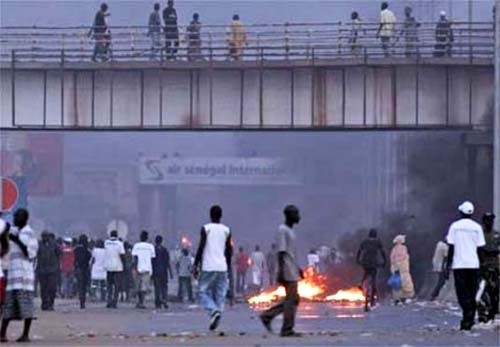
<point x="444" y="36"/>
<point x="465" y="237"/>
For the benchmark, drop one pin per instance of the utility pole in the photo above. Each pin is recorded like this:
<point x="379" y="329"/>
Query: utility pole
<point x="496" y="121"/>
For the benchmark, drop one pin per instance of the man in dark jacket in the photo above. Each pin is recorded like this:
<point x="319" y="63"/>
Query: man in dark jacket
<point x="101" y="33"/>
<point x="82" y="268"/>
<point x="371" y="256"/>
<point x="161" y="272"/>
<point x="47" y="270"/>
<point x="444" y="36"/>
<point x="171" y="30"/>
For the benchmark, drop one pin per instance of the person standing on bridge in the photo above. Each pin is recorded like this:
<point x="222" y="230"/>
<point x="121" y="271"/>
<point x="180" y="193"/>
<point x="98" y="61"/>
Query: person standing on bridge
<point x="154" y="30"/>
<point x="194" y="38"/>
<point x="101" y="34"/>
<point x="171" y="30"/>
<point x="444" y="37"/>
<point x="356" y="25"/>
<point x="410" y="33"/>
<point x="237" y="38"/>
<point x="386" y="28"/>
<point x="289" y="274"/>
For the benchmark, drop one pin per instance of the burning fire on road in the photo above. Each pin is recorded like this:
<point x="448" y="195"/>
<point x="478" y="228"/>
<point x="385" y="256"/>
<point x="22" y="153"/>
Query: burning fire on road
<point x="312" y="288"/>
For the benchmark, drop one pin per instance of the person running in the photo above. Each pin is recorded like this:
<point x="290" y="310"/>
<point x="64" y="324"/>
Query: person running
<point x="213" y="258"/>
<point x="21" y="281"/>
<point x="143" y="253"/>
<point x="47" y="270"/>
<point x="161" y="272"/>
<point x="489" y="271"/>
<point x="371" y="256"/>
<point x="83" y="256"/>
<point x="465" y="238"/>
<point x="289" y="274"/>
<point x="115" y="252"/>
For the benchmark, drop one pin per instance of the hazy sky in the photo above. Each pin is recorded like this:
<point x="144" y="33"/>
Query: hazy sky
<point x="75" y="13"/>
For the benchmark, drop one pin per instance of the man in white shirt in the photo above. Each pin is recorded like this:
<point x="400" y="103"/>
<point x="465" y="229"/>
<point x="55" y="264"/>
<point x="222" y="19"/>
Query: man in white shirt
<point x="465" y="238"/>
<point x="386" y="27"/>
<point x="21" y="277"/>
<point x="214" y="258"/>
<point x="115" y="253"/>
<point x="258" y="260"/>
<point x="313" y="260"/>
<point x="143" y="253"/>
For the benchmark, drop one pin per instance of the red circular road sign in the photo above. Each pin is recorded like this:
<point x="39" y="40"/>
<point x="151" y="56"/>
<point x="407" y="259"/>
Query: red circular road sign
<point x="10" y="194"/>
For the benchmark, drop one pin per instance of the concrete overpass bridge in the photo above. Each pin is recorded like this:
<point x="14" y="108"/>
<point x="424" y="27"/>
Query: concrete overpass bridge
<point x="290" y="76"/>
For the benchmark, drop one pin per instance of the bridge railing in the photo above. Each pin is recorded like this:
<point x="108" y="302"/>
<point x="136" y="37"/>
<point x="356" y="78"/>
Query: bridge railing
<point x="285" y="41"/>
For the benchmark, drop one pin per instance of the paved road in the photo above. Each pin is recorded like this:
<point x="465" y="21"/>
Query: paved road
<point x="417" y="324"/>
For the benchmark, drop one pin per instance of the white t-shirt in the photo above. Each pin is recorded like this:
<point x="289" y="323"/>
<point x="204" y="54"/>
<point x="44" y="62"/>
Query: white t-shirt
<point x="258" y="260"/>
<point x="388" y="21"/>
<point x="145" y="252"/>
<point x="114" y="248"/>
<point x="213" y="255"/>
<point x="312" y="260"/>
<point x="99" y="264"/>
<point x="466" y="236"/>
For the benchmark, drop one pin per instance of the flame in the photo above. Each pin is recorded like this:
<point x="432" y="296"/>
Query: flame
<point x="249" y="262"/>
<point x="313" y="287"/>
<point x="353" y="294"/>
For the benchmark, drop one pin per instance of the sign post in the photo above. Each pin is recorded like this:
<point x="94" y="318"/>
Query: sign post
<point x="10" y="194"/>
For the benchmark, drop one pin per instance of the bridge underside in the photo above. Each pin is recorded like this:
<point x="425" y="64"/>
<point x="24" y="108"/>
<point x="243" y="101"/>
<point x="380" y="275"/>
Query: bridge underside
<point x="367" y="94"/>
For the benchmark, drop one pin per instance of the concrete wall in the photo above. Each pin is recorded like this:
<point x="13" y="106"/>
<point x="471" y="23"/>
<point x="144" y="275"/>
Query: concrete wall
<point x="305" y="96"/>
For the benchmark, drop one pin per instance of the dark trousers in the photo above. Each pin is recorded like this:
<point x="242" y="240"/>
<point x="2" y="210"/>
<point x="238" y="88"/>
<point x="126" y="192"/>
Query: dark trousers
<point x="48" y="290"/>
<point x="372" y="274"/>
<point x="185" y="284"/>
<point x="439" y="285"/>
<point x="466" y="285"/>
<point x="240" y="281"/>
<point x="161" y="291"/>
<point x="82" y="280"/>
<point x="112" y="283"/>
<point x="488" y="305"/>
<point x="171" y="45"/>
<point x="288" y="307"/>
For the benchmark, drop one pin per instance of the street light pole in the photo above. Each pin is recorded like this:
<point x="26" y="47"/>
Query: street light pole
<point x="496" y="121"/>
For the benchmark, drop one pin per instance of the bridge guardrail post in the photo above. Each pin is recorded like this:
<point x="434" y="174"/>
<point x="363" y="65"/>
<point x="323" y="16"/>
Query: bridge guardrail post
<point x="13" y="86"/>
<point x="287" y="41"/>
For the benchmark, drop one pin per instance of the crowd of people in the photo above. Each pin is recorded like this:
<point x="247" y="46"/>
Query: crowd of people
<point x="113" y="270"/>
<point x="470" y="250"/>
<point x="167" y="22"/>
